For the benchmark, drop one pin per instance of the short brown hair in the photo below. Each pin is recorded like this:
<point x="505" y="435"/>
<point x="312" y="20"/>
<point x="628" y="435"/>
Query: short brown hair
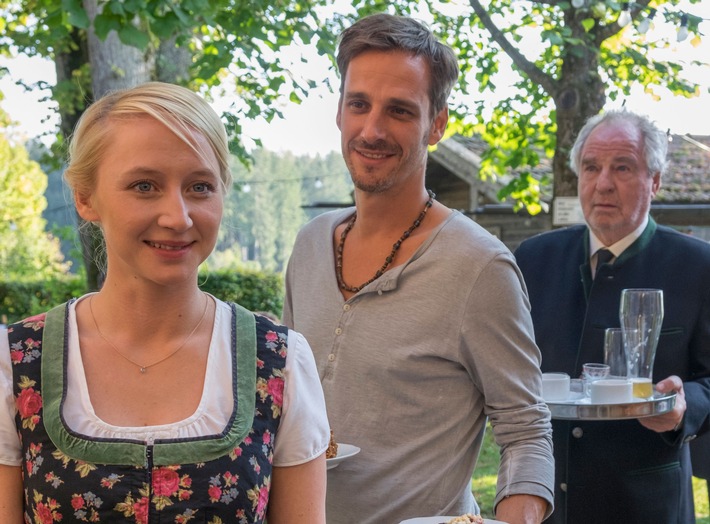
<point x="385" y="32"/>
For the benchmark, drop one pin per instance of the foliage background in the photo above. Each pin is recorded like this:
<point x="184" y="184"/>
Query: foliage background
<point x="255" y="290"/>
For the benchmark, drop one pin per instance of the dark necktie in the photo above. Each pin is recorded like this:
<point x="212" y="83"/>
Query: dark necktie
<point x="603" y="257"/>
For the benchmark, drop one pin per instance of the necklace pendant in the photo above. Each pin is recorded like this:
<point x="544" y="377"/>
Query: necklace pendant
<point x="142" y="369"/>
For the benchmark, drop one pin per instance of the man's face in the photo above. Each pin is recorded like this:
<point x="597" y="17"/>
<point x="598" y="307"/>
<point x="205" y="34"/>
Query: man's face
<point x="384" y="116"/>
<point x="614" y="186"/>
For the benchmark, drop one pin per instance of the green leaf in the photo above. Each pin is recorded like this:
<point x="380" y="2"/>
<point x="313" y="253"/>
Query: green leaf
<point x="79" y="19"/>
<point x="104" y="24"/>
<point x="588" y="24"/>
<point x="132" y="36"/>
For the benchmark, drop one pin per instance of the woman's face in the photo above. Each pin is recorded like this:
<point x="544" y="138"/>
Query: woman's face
<point x="158" y="202"/>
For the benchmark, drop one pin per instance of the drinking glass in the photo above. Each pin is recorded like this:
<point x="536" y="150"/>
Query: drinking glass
<point x="591" y="372"/>
<point x="642" y="309"/>
<point x="615" y="341"/>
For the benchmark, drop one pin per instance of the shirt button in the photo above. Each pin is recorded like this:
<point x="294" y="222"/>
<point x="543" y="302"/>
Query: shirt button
<point x="563" y="487"/>
<point x="577" y="432"/>
<point x="331" y="357"/>
<point x="346" y="307"/>
<point x="338" y="331"/>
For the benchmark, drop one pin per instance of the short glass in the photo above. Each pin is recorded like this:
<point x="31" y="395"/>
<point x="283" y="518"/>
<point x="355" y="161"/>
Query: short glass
<point x="592" y="372"/>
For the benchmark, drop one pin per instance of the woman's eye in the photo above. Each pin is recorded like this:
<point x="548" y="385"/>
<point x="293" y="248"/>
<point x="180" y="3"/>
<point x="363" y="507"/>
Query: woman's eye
<point x="203" y="187"/>
<point x="143" y="186"/>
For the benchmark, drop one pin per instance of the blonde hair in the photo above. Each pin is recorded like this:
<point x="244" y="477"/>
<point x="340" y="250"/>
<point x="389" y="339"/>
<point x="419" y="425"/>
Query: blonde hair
<point x="176" y="107"/>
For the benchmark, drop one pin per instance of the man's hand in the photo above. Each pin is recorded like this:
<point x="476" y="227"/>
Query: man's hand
<point x="671" y="420"/>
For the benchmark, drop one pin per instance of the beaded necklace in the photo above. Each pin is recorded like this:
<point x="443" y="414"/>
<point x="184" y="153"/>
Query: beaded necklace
<point x="388" y="259"/>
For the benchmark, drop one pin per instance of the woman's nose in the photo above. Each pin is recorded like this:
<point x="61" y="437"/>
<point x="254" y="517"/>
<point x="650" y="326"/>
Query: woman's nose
<point x="175" y="213"/>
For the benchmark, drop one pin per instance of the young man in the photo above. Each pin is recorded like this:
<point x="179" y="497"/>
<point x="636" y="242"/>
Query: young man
<point x="418" y="318"/>
<point x="633" y="471"/>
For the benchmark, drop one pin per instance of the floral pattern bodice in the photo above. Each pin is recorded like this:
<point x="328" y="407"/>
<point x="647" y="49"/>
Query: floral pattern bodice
<point x="223" y="478"/>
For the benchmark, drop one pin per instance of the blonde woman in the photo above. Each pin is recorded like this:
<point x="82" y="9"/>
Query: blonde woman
<point x="151" y="401"/>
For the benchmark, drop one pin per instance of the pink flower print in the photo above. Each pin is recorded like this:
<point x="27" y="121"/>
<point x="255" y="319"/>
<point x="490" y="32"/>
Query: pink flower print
<point x="263" y="500"/>
<point x="31" y="343"/>
<point x="267" y="437"/>
<point x="77" y="501"/>
<point x="259" y="497"/>
<point x="271" y="336"/>
<point x="47" y="513"/>
<point x="28" y="403"/>
<point x="165" y="482"/>
<point x="140" y="511"/>
<point x="215" y="493"/>
<point x="275" y="388"/>
<point x="53" y="479"/>
<point x="44" y="514"/>
<point x="36" y="320"/>
<point x="16" y="356"/>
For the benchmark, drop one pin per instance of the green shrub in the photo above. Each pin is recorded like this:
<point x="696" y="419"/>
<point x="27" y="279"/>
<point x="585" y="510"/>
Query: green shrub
<point x="254" y="290"/>
<point x="19" y="300"/>
<point x="257" y="291"/>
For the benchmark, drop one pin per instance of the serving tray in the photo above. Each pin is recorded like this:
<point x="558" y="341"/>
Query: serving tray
<point x="578" y="407"/>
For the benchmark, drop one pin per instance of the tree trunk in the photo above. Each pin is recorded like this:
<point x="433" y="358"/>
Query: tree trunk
<point x="67" y="65"/>
<point x="173" y="62"/>
<point x="581" y="94"/>
<point x="115" y="65"/>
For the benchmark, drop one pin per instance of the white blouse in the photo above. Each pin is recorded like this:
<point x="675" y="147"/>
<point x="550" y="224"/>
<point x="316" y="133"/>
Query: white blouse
<point x="303" y="431"/>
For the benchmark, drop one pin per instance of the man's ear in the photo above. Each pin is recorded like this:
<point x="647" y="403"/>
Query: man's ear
<point x="85" y="208"/>
<point x="655" y="185"/>
<point x="338" y="115"/>
<point x="438" y="126"/>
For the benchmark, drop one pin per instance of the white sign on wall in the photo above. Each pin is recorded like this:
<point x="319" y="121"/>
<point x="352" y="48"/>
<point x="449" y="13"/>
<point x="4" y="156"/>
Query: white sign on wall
<point x="566" y="211"/>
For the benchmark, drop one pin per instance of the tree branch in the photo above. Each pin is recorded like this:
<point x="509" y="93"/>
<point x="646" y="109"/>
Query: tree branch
<point x="530" y="69"/>
<point x="606" y="31"/>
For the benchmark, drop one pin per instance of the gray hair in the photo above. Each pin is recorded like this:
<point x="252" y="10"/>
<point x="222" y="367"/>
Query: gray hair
<point x="655" y="141"/>
<point x="385" y="32"/>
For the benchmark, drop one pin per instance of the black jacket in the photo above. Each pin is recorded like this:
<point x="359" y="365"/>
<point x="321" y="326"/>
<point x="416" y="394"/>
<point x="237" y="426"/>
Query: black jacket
<point x="619" y="471"/>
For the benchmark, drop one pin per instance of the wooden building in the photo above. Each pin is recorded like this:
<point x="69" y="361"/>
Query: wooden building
<point x="452" y="173"/>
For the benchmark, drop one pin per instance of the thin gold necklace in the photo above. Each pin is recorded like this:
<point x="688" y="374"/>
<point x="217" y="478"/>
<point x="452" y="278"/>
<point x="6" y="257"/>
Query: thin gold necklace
<point x="388" y="259"/>
<point x="142" y="367"/>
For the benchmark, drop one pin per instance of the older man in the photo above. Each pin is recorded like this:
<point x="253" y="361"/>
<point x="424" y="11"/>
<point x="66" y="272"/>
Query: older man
<point x="632" y="471"/>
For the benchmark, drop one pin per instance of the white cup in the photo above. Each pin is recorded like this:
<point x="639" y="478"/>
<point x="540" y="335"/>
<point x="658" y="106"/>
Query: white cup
<point x="611" y="391"/>
<point x="555" y="386"/>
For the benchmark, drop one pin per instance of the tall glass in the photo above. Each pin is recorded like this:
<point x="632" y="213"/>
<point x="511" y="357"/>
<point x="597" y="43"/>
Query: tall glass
<point x="642" y="309"/>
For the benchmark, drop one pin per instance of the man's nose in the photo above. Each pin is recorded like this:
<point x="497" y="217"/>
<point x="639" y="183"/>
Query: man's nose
<point x="373" y="128"/>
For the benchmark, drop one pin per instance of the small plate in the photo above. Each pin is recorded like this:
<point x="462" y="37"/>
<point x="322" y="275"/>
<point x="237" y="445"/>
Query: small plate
<point x="442" y="520"/>
<point x="344" y="451"/>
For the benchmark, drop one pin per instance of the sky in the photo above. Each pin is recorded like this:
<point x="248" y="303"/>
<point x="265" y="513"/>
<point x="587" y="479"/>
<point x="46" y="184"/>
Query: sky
<point x="309" y="128"/>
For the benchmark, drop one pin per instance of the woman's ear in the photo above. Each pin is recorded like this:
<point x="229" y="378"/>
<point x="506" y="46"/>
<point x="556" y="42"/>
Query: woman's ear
<point x="85" y="207"/>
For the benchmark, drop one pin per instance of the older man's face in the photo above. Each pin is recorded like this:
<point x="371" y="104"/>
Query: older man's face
<point x="614" y="186"/>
